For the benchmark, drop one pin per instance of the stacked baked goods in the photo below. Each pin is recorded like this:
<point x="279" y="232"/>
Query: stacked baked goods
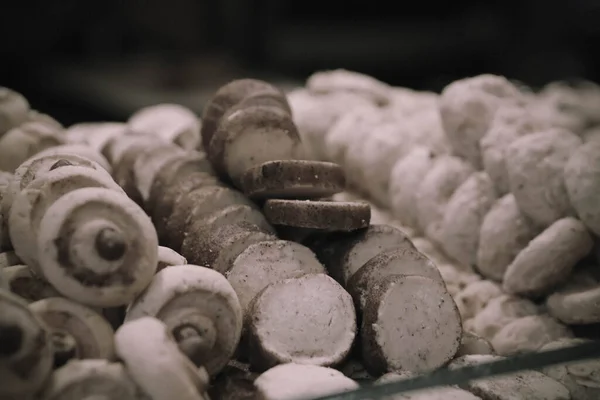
<point x="492" y="181"/>
<point x="173" y="256"/>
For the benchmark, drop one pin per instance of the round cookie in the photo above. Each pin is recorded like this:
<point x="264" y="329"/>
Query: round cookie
<point x="319" y="329"/>
<point x="295" y="179"/>
<point x="535" y="165"/>
<point x="400" y="261"/>
<point x="509" y="124"/>
<point x="528" y="334"/>
<point x="499" y="312"/>
<point x="576" y="302"/>
<point x="251" y="135"/>
<point x="165" y="204"/>
<point x="196" y="204"/>
<point x="217" y="248"/>
<point x="24" y="141"/>
<point x="231" y="215"/>
<point x="475" y="296"/>
<point x="149" y="164"/>
<point x="172" y="123"/>
<point x="409" y="323"/>
<point x="291" y="381"/>
<point x="435" y="188"/>
<point x="268" y="262"/>
<point x="405" y="178"/>
<point x="228" y="96"/>
<point x="582" y="180"/>
<point x="344" y="253"/>
<point x="172" y="172"/>
<point x="371" y="159"/>
<point x="326" y="215"/>
<point x="548" y="259"/>
<point x="473" y="344"/>
<point x="467" y="108"/>
<point x="463" y="217"/>
<point x="349" y="129"/>
<point x="200" y="310"/>
<point x="124" y="173"/>
<point x="168" y="257"/>
<point x="505" y="231"/>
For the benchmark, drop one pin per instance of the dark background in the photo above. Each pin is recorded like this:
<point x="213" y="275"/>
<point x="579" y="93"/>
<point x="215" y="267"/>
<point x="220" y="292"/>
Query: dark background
<point x="101" y="60"/>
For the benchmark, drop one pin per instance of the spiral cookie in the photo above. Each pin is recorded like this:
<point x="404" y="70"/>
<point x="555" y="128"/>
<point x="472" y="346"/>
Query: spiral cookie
<point x="22" y="281"/>
<point x="94" y="263"/>
<point x="164" y="375"/>
<point x="31" y="204"/>
<point x="97" y="247"/>
<point x="76" y="330"/>
<point x="200" y="309"/>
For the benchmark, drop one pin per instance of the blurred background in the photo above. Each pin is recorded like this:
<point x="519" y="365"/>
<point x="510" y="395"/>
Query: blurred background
<point x="101" y="60"/>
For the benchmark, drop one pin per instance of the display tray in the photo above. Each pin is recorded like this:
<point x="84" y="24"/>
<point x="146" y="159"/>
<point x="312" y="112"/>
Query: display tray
<point x="209" y="222"/>
<point x="447" y="377"/>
